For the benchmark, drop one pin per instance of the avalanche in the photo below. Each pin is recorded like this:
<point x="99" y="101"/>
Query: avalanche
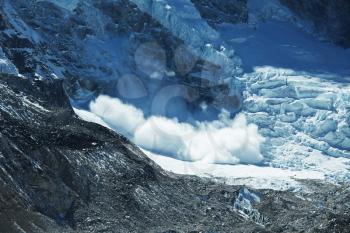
<point x="290" y="87"/>
<point x="222" y="141"/>
<point x="295" y="92"/>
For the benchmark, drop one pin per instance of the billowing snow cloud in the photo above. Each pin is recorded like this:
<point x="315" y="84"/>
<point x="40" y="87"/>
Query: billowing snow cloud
<point x="225" y="140"/>
<point x="122" y="117"/>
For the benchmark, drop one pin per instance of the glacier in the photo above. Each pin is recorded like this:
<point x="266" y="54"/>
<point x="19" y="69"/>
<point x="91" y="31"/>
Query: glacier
<point x="302" y="116"/>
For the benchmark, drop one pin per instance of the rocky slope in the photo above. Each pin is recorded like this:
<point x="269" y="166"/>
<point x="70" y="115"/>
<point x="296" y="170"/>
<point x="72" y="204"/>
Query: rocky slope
<point x="61" y="174"/>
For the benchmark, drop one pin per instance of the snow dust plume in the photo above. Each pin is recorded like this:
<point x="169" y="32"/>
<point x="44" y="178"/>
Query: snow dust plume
<point x="224" y="141"/>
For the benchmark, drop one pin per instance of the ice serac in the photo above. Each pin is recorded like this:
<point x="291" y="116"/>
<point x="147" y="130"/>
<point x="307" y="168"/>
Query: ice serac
<point x="297" y="89"/>
<point x="244" y="204"/>
<point x="304" y="118"/>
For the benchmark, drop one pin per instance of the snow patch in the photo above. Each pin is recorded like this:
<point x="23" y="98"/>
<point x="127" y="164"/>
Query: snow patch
<point x="257" y="177"/>
<point x="27" y="102"/>
<point x="90" y="117"/>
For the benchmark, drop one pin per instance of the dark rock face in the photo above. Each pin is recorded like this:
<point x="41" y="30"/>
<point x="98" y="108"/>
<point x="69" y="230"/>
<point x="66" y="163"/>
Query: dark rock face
<point x="329" y="18"/>
<point x="222" y="11"/>
<point x="61" y="174"/>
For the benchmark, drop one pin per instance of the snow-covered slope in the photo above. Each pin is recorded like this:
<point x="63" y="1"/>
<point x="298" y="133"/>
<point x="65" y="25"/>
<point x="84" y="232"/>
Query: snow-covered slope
<point x="257" y="177"/>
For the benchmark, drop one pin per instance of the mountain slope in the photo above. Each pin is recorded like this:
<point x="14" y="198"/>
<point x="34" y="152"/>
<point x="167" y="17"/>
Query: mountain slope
<point x="61" y="174"/>
<point x="82" y="175"/>
<point x="179" y="62"/>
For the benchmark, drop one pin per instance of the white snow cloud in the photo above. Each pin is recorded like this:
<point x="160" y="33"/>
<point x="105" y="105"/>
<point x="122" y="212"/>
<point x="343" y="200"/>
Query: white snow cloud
<point x="122" y="117"/>
<point x="225" y="140"/>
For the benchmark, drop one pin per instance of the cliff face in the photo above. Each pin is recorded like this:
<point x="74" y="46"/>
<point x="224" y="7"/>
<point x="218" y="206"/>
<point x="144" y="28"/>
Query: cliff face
<point x="329" y="18"/>
<point x="221" y="11"/>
